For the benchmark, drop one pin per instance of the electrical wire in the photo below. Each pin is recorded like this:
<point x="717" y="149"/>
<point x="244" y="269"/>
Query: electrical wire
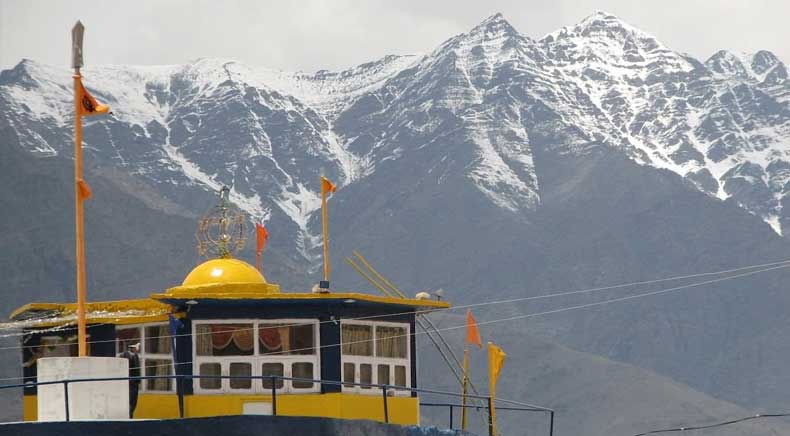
<point x="524" y="316"/>
<point x="485" y="303"/>
<point x="716" y="425"/>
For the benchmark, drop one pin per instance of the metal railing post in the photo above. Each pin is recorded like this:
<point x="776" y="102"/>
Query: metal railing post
<point x="66" y="396"/>
<point x="386" y="407"/>
<point x="451" y="416"/>
<point x="274" y="396"/>
<point x="551" y="423"/>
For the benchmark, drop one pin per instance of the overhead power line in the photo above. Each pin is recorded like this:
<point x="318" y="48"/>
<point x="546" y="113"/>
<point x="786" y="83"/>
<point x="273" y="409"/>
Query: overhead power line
<point x="718" y="424"/>
<point x="524" y="316"/>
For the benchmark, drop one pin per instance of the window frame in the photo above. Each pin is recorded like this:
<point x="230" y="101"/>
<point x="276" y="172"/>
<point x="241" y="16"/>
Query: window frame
<point x="145" y="355"/>
<point x="257" y="359"/>
<point x="375" y="361"/>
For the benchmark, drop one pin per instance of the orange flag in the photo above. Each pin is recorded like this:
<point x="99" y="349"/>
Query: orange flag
<point x="261" y="235"/>
<point x="88" y="104"/>
<point x="84" y="190"/>
<point x="327" y="186"/>
<point x="472" y="332"/>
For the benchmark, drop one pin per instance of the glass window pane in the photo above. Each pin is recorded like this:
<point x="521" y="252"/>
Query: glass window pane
<point x="126" y="337"/>
<point x="207" y="369"/>
<point x="302" y="370"/>
<point x="384" y="375"/>
<point x="391" y="342"/>
<point x="348" y="373"/>
<point x="357" y="340"/>
<point x="400" y="375"/>
<point x="365" y="374"/>
<point x="243" y="370"/>
<point x="272" y="369"/>
<point x="224" y="340"/>
<point x="160" y="367"/>
<point x="157" y="339"/>
<point x="284" y="340"/>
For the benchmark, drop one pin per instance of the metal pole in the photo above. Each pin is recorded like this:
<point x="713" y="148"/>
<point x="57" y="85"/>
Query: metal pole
<point x="386" y="408"/>
<point x="66" y="396"/>
<point x="490" y="417"/>
<point x="274" y="396"/>
<point x="451" y="416"/>
<point x="551" y="424"/>
<point x="180" y="391"/>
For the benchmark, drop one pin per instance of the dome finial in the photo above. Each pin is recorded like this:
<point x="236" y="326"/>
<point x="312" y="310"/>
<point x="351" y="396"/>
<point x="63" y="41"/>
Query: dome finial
<point x="221" y="230"/>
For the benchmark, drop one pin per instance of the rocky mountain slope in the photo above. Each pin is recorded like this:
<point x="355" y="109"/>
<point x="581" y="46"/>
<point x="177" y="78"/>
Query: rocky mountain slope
<point x="494" y="166"/>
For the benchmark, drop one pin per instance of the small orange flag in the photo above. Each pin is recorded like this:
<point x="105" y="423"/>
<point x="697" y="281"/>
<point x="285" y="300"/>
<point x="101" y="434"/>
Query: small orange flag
<point x="327" y="186"/>
<point x="472" y="332"/>
<point x="88" y="104"/>
<point x="83" y="190"/>
<point x="261" y="236"/>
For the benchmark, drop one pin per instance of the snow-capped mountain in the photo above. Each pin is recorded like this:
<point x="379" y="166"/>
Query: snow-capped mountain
<point x="496" y="165"/>
<point x="723" y="124"/>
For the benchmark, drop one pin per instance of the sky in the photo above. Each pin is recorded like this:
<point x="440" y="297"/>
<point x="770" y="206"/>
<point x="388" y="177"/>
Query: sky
<point x="310" y="35"/>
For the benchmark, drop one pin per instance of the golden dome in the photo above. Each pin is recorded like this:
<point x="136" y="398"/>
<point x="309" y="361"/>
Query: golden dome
<point x="223" y="271"/>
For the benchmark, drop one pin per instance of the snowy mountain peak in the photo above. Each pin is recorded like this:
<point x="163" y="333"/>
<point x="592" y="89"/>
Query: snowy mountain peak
<point x="761" y="67"/>
<point x="764" y="60"/>
<point x="730" y="63"/>
<point x="606" y="39"/>
<point x="494" y="26"/>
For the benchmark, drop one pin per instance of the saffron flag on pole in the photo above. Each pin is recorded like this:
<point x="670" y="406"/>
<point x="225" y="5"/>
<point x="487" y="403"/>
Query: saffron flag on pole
<point x="496" y="359"/>
<point x="261" y="236"/>
<point x="472" y="332"/>
<point x="84" y="190"/>
<point x="327" y="186"/>
<point x="88" y="105"/>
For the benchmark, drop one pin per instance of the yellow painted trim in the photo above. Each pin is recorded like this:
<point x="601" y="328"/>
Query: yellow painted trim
<point x="30" y="408"/>
<point x="402" y="410"/>
<point x="158" y="311"/>
<point x="307" y="296"/>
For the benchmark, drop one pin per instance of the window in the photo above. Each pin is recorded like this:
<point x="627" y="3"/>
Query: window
<point x="254" y="348"/>
<point x="272" y="369"/>
<point x="375" y="353"/>
<point x="224" y="340"/>
<point x="156" y="353"/>
<point x="357" y="340"/>
<point x="210" y="369"/>
<point x="126" y="336"/>
<point x="243" y="370"/>
<point x="391" y="342"/>
<point x="286" y="340"/>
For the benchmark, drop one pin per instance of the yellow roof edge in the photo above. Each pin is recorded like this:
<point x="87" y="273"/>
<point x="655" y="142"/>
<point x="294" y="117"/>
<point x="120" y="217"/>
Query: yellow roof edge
<point x="138" y="303"/>
<point x="304" y="296"/>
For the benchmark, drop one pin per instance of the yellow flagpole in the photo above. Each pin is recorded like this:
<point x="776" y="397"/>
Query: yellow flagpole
<point x="465" y="387"/>
<point x="325" y="227"/>
<point x="79" y="218"/>
<point x="76" y="62"/>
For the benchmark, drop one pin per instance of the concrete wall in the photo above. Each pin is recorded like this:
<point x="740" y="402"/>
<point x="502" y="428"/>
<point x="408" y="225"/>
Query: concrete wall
<point x="87" y="400"/>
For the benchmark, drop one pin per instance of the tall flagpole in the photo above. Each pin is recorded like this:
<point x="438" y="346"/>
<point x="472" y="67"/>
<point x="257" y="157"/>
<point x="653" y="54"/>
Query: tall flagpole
<point x="325" y="228"/>
<point x="76" y="40"/>
<point x="465" y="387"/>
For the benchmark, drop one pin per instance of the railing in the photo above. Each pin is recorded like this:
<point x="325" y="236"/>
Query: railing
<point x="386" y="392"/>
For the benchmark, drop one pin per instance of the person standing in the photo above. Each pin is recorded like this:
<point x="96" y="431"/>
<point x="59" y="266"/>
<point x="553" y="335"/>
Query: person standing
<point x="132" y="354"/>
